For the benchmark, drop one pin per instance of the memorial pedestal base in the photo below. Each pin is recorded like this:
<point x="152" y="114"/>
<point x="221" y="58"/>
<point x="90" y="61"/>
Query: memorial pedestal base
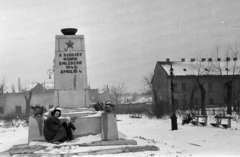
<point x="109" y="129"/>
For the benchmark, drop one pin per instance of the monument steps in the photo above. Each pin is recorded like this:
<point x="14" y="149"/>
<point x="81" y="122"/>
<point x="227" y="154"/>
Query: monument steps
<point x="36" y="150"/>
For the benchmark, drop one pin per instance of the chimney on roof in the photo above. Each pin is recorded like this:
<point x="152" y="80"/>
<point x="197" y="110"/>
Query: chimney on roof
<point x="227" y="59"/>
<point x="203" y="59"/>
<point x="192" y="59"/>
<point x="183" y="59"/>
<point x="219" y="59"/>
<point x="235" y="58"/>
<point x="168" y="60"/>
<point x="209" y="59"/>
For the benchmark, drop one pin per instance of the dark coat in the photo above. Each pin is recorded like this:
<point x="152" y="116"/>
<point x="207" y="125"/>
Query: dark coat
<point x="53" y="130"/>
<point x="69" y="127"/>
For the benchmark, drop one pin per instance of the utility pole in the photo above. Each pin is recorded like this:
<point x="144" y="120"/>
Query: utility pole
<point x="173" y="117"/>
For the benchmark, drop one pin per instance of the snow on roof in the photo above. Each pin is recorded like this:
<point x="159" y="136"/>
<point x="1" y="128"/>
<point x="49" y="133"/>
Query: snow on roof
<point x="143" y="100"/>
<point x="202" y="68"/>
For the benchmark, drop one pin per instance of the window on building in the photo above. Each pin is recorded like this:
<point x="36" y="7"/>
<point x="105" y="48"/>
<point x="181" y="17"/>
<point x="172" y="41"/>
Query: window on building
<point x="225" y="101"/>
<point x="18" y="109"/>
<point x="211" y="101"/>
<point x="1" y="110"/>
<point x="196" y="102"/>
<point x="176" y="102"/>
<point x="184" y="87"/>
<point x="210" y="86"/>
<point x="175" y="87"/>
<point x="184" y="102"/>
<point x="196" y="88"/>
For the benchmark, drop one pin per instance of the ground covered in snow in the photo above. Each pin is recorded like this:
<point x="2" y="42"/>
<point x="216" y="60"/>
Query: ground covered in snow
<point x="188" y="140"/>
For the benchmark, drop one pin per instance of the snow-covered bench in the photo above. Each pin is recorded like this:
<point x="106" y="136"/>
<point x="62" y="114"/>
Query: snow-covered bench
<point x="225" y="121"/>
<point x="200" y="119"/>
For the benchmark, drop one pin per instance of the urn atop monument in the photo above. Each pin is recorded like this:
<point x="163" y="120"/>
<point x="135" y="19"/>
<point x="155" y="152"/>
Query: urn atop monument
<point x="69" y="31"/>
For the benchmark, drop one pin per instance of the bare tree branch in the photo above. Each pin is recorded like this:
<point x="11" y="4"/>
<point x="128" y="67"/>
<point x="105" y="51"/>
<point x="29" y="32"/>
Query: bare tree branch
<point x="13" y="88"/>
<point x="147" y="83"/>
<point x="117" y="91"/>
<point x="3" y="85"/>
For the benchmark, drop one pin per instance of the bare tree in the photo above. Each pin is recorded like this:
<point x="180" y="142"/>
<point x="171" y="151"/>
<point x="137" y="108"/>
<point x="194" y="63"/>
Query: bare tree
<point x="233" y="52"/>
<point x="203" y="96"/>
<point x="200" y="68"/>
<point x="191" y="103"/>
<point x="13" y="88"/>
<point x="19" y="85"/>
<point x="104" y="88"/>
<point x="3" y="85"/>
<point x="147" y="84"/>
<point x="228" y="67"/>
<point x="118" y="91"/>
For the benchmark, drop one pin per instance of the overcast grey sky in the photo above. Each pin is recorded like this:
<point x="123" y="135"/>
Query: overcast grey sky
<point x="123" y="38"/>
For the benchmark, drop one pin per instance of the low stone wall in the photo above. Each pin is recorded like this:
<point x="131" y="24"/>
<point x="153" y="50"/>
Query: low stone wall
<point x="109" y="130"/>
<point x="87" y="126"/>
<point x="35" y="130"/>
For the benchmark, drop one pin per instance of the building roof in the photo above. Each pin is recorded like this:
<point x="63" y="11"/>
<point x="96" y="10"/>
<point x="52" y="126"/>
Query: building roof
<point x="38" y="88"/>
<point x="196" y="68"/>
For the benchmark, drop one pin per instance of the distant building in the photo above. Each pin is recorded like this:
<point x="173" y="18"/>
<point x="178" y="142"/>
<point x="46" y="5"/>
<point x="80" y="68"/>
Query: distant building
<point x="144" y="99"/>
<point x="186" y="90"/>
<point x="93" y="96"/>
<point x="104" y="96"/>
<point x="15" y="103"/>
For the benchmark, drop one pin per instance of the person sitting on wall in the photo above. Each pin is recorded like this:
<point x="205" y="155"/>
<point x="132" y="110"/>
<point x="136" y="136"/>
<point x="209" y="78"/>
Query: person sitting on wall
<point x="53" y="130"/>
<point x="69" y="127"/>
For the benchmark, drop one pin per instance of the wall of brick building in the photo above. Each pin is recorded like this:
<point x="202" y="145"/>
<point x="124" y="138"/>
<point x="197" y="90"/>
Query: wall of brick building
<point x="215" y="91"/>
<point x="213" y="84"/>
<point x="160" y="85"/>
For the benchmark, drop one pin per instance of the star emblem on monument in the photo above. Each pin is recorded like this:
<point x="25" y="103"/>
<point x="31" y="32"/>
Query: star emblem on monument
<point x="69" y="44"/>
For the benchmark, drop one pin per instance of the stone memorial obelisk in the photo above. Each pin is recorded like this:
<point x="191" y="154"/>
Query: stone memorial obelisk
<point x="71" y="94"/>
<point x="70" y="71"/>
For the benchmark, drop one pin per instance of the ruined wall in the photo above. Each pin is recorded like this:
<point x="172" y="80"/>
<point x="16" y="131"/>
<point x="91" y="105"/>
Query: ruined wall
<point x="10" y="101"/>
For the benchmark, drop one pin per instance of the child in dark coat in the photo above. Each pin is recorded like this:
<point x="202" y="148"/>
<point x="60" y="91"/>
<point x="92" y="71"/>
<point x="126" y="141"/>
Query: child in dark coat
<point x="69" y="127"/>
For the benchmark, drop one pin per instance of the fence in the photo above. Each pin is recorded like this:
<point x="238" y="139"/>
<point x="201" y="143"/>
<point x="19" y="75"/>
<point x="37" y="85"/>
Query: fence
<point x="132" y="108"/>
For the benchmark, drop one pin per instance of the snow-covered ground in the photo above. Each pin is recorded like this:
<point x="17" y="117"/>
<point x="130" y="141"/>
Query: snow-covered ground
<point x="11" y="136"/>
<point x="188" y="140"/>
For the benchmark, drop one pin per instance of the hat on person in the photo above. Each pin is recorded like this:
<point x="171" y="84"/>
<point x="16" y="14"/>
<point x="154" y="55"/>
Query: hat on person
<point x="68" y="118"/>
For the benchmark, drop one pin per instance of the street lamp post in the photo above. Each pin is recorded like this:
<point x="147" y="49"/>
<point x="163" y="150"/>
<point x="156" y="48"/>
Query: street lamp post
<point x="173" y="117"/>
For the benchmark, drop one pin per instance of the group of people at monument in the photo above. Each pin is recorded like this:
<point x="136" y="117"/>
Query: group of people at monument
<point x="55" y="131"/>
